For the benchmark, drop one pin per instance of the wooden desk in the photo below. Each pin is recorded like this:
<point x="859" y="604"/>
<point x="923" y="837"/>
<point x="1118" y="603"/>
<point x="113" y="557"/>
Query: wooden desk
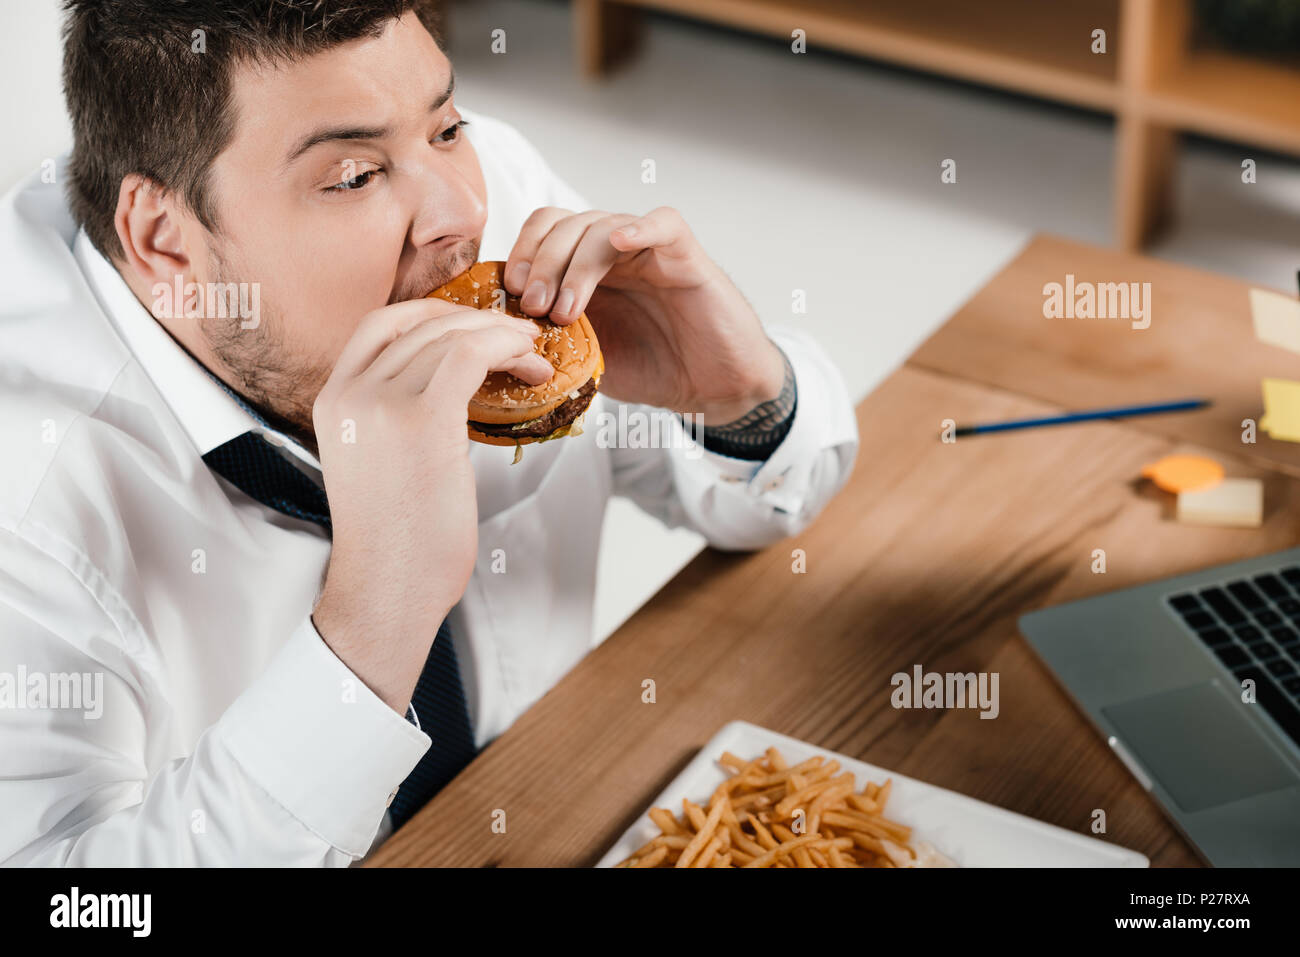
<point x="928" y="556"/>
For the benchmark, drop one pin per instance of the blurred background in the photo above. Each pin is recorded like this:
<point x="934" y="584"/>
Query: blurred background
<point x="1127" y="123"/>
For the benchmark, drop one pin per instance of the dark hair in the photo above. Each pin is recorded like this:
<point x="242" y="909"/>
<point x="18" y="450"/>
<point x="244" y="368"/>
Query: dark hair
<point x="143" y="101"/>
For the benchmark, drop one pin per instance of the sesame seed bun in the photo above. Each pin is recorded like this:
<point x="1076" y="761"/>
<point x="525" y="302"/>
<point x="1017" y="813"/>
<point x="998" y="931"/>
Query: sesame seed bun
<point x="504" y="400"/>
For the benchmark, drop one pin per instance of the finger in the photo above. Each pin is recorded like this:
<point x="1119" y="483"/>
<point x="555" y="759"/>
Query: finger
<point x="551" y="260"/>
<point x="591" y="260"/>
<point x="377" y="329"/>
<point x="532" y="369"/>
<point x="662" y="229"/>
<point x="534" y="230"/>
<point x="453" y="367"/>
<point x="397" y="354"/>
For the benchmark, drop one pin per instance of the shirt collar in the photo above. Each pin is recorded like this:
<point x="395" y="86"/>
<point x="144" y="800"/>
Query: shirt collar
<point x="210" y="412"/>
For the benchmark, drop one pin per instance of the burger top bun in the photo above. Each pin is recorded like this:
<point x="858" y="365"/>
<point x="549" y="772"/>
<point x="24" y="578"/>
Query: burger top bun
<point x="572" y="350"/>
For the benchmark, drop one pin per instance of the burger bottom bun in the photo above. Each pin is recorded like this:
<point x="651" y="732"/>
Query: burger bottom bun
<point x="478" y="436"/>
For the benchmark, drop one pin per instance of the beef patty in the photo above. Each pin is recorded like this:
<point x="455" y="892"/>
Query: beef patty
<point x="541" y="427"/>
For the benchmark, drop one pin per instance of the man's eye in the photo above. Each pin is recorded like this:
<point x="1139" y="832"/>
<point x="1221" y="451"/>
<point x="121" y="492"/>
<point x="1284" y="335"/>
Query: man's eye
<point x="356" y="182"/>
<point x="452" y="133"/>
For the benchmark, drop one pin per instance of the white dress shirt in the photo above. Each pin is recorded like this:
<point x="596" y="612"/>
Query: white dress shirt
<point x="215" y="727"/>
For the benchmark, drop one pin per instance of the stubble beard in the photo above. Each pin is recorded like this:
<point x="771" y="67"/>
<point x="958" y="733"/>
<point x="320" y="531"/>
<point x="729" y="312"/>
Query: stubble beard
<point x="279" y="382"/>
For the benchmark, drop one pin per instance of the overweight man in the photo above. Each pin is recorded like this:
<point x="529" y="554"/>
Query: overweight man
<point x="260" y="596"/>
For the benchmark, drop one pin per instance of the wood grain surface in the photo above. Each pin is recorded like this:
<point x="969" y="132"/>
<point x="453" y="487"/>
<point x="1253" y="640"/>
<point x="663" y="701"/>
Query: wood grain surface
<point x="928" y="556"/>
<point x="1201" y="343"/>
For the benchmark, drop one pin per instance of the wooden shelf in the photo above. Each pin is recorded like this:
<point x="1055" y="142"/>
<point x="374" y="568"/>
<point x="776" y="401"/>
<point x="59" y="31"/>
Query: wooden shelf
<point x="1022" y="45"/>
<point x="1231" y="96"/>
<point x="1153" y="78"/>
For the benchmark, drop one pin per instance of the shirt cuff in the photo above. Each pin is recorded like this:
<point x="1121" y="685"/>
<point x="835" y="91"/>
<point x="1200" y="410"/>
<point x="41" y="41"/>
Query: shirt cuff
<point x="822" y="418"/>
<point x="317" y="739"/>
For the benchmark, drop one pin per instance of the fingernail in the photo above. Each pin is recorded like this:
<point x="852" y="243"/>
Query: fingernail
<point x="564" y="305"/>
<point x="629" y="230"/>
<point x="535" y="297"/>
<point x="528" y="326"/>
<point x="518" y="275"/>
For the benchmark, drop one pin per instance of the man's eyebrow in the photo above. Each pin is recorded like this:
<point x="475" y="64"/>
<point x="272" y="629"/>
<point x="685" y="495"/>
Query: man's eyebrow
<point x="330" y="133"/>
<point x="445" y="95"/>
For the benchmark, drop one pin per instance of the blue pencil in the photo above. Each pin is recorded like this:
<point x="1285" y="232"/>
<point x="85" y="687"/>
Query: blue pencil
<point x="1117" y="413"/>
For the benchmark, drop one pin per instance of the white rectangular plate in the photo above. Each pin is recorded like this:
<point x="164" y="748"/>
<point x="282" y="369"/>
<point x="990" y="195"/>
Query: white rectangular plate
<point x="970" y="832"/>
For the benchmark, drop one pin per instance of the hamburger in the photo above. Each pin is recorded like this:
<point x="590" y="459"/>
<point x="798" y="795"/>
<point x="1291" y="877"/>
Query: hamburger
<point x="508" y="411"/>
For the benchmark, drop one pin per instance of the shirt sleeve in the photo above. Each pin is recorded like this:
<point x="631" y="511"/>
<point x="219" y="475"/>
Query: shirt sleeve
<point x="738" y="504"/>
<point x="297" y="771"/>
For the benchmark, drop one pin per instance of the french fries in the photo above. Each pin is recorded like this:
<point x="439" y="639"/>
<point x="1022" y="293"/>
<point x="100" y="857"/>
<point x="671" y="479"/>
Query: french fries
<point x="769" y="813"/>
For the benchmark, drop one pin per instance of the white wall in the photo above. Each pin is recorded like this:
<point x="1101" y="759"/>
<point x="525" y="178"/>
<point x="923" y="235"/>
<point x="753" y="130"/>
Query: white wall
<point x="32" y="116"/>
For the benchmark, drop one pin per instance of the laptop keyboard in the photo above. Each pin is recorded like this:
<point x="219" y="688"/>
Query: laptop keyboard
<point x="1253" y="626"/>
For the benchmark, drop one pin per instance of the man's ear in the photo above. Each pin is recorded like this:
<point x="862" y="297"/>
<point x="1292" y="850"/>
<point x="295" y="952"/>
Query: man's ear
<point x="149" y="228"/>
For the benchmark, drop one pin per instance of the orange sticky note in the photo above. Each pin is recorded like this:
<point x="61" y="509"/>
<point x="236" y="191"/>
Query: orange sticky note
<point x="1184" y="473"/>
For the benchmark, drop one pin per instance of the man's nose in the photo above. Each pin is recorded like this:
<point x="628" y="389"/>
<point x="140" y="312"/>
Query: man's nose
<point x="446" y="203"/>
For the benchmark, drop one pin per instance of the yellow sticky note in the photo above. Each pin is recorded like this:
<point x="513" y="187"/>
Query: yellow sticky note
<point x="1236" y="502"/>
<point x="1277" y="318"/>
<point x="1281" y="419"/>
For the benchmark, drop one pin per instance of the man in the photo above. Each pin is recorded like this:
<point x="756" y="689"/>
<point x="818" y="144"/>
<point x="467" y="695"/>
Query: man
<point x="260" y="597"/>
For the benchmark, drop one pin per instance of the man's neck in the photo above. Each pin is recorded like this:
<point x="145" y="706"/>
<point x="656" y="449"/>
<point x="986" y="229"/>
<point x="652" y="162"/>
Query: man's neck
<point x="305" y="437"/>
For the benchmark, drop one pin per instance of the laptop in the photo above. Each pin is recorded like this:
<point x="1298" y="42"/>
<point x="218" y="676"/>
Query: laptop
<point x="1162" y="671"/>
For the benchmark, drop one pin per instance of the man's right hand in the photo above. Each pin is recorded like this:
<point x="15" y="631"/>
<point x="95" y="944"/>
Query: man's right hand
<point x="394" y="449"/>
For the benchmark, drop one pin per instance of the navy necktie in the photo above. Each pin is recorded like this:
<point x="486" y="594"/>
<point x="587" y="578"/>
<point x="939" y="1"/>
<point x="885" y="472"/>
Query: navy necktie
<point x="250" y="463"/>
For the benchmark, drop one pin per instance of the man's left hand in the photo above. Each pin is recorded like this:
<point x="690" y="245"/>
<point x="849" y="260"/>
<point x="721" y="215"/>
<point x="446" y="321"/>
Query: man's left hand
<point x="674" y="330"/>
